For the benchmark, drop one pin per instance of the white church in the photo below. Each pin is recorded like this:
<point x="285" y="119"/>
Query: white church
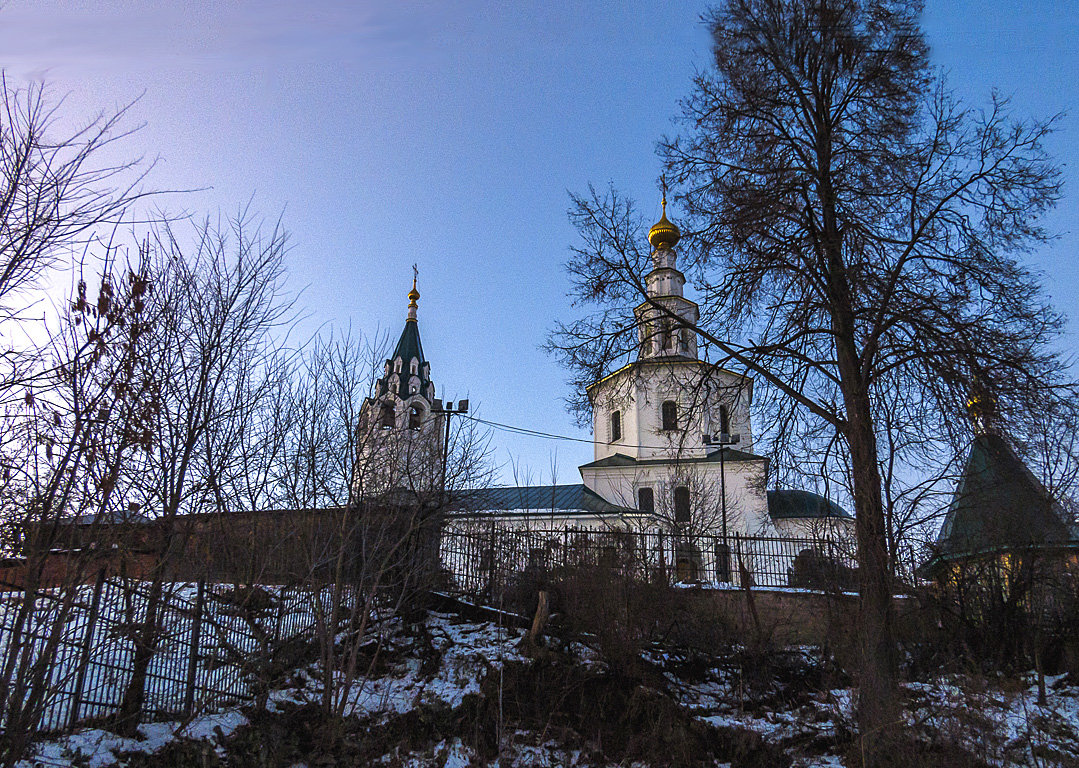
<point x="672" y="439"/>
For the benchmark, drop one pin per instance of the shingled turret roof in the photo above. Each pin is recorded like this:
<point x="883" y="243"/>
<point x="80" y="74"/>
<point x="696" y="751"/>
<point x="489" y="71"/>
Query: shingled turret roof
<point x="998" y="505"/>
<point x="408" y="349"/>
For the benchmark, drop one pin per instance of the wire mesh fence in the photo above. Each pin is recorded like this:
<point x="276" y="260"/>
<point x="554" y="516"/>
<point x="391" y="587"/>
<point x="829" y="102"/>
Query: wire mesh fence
<point x="73" y="649"/>
<point x="481" y="558"/>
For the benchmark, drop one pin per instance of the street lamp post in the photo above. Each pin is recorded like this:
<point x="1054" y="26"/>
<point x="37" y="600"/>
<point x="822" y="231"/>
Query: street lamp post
<point x="724" y="441"/>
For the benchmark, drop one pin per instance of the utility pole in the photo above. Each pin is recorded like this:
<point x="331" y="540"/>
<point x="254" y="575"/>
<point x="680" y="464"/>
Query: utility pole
<point x="446" y="411"/>
<point x="431" y="526"/>
<point x="724" y="441"/>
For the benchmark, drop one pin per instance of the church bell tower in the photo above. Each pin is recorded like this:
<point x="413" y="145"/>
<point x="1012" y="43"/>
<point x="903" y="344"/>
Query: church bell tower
<point x="400" y="434"/>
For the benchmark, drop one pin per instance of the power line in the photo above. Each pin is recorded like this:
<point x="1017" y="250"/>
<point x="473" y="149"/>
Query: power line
<point x="531" y="432"/>
<point x="551" y="436"/>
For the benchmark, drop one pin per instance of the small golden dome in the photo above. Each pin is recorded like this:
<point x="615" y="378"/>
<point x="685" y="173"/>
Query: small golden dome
<point x="663" y="233"/>
<point x="981" y="407"/>
<point x="413" y="296"/>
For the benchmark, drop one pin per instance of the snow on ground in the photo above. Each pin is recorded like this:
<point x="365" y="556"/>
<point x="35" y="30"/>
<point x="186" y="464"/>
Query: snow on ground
<point x="469" y="651"/>
<point x="96" y="748"/>
<point x="1001" y="720"/>
<point x="996" y="719"/>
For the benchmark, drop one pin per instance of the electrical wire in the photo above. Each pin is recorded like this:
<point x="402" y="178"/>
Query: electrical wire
<point x="530" y="432"/>
<point x="552" y="436"/>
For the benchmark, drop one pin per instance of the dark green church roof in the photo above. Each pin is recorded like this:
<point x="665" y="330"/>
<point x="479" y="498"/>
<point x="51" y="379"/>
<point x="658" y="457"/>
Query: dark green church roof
<point x="408" y="349"/>
<point x="787" y="505"/>
<point x="730" y="456"/>
<point x="998" y="505"/>
<point x="408" y="346"/>
<point x="537" y="500"/>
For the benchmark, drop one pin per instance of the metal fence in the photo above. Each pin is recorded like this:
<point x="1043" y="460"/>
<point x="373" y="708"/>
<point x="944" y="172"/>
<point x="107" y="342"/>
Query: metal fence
<point x="210" y="636"/>
<point x="481" y="558"/>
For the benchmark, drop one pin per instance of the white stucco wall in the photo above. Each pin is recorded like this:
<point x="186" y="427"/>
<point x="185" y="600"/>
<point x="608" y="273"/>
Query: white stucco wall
<point x="638" y="392"/>
<point x="741" y="483"/>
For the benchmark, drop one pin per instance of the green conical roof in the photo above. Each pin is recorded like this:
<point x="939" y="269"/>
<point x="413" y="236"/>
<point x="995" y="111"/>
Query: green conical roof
<point x="408" y="349"/>
<point x="999" y="505"/>
<point x="408" y="346"/>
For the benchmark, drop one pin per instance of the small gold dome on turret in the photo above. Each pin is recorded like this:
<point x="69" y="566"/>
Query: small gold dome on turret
<point x="413" y="296"/>
<point x="981" y="408"/>
<point x="663" y="233"/>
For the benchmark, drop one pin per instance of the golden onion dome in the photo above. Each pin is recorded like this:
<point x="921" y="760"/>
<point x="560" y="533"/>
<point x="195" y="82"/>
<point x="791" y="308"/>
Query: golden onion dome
<point x="663" y="233"/>
<point x="981" y="407"/>
<point x="413" y="296"/>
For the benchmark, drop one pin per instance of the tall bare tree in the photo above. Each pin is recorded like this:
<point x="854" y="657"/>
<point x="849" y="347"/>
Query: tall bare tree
<point x="58" y="192"/>
<point x="218" y="299"/>
<point x="63" y="449"/>
<point x="363" y="496"/>
<point x="854" y="233"/>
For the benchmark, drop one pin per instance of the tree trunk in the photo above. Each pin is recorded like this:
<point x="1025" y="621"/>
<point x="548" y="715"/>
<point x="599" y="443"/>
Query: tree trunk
<point x="130" y="712"/>
<point x="877" y="710"/>
<point x="877" y="684"/>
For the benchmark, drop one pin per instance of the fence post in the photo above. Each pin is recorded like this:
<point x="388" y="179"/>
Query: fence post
<point x="84" y="649"/>
<point x="491" y="564"/>
<point x="280" y="619"/>
<point x="192" y="661"/>
<point x="662" y="546"/>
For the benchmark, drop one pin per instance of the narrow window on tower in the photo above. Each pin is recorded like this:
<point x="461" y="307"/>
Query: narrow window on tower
<point x="670" y="415"/>
<point x="387" y="418"/>
<point x="681" y="504"/>
<point x="415" y="417"/>
<point x="724" y="420"/>
<point x="646" y="500"/>
<point x="616" y="426"/>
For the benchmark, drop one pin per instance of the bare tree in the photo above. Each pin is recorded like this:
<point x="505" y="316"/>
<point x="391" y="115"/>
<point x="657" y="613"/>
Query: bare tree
<point x="364" y="496"/>
<point x="57" y="194"/>
<point x="62" y="453"/>
<point x="854" y="232"/>
<point x="217" y="302"/>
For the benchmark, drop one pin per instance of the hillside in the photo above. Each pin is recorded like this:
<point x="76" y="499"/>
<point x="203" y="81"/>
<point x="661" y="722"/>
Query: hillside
<point x="447" y="691"/>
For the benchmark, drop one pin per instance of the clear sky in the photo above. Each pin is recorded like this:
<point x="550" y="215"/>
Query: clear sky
<point x="448" y="135"/>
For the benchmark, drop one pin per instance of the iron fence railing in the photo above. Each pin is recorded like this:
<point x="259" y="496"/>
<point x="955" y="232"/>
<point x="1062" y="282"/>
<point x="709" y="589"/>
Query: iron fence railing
<point x="207" y="646"/>
<point x="480" y="558"/>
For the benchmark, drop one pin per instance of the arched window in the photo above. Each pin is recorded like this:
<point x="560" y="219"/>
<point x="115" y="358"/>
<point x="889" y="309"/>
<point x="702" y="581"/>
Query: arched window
<point x="724" y="420"/>
<point x="415" y="417"/>
<point x="664" y="335"/>
<point x="616" y="426"/>
<point x="387" y="417"/>
<point x="646" y="500"/>
<point x="397" y="365"/>
<point x="681" y="504"/>
<point x="670" y="415"/>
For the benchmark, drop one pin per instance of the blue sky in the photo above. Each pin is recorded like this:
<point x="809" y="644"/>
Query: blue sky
<point x="448" y="135"/>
